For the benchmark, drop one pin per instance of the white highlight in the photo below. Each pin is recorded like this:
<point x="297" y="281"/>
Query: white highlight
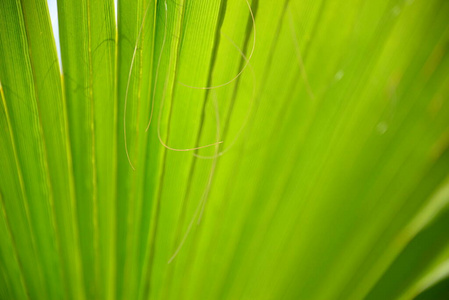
<point x="53" y="8"/>
<point x="382" y="127"/>
<point x="339" y="75"/>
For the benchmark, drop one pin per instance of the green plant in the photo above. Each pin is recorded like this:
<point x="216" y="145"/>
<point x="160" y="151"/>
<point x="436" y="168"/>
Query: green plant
<point x="325" y="174"/>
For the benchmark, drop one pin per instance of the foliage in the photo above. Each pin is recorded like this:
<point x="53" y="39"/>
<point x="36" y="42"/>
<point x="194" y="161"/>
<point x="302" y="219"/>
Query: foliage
<point x="295" y="149"/>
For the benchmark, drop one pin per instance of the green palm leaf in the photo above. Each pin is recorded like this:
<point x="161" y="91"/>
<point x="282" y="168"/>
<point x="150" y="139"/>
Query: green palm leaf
<point x="244" y="149"/>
